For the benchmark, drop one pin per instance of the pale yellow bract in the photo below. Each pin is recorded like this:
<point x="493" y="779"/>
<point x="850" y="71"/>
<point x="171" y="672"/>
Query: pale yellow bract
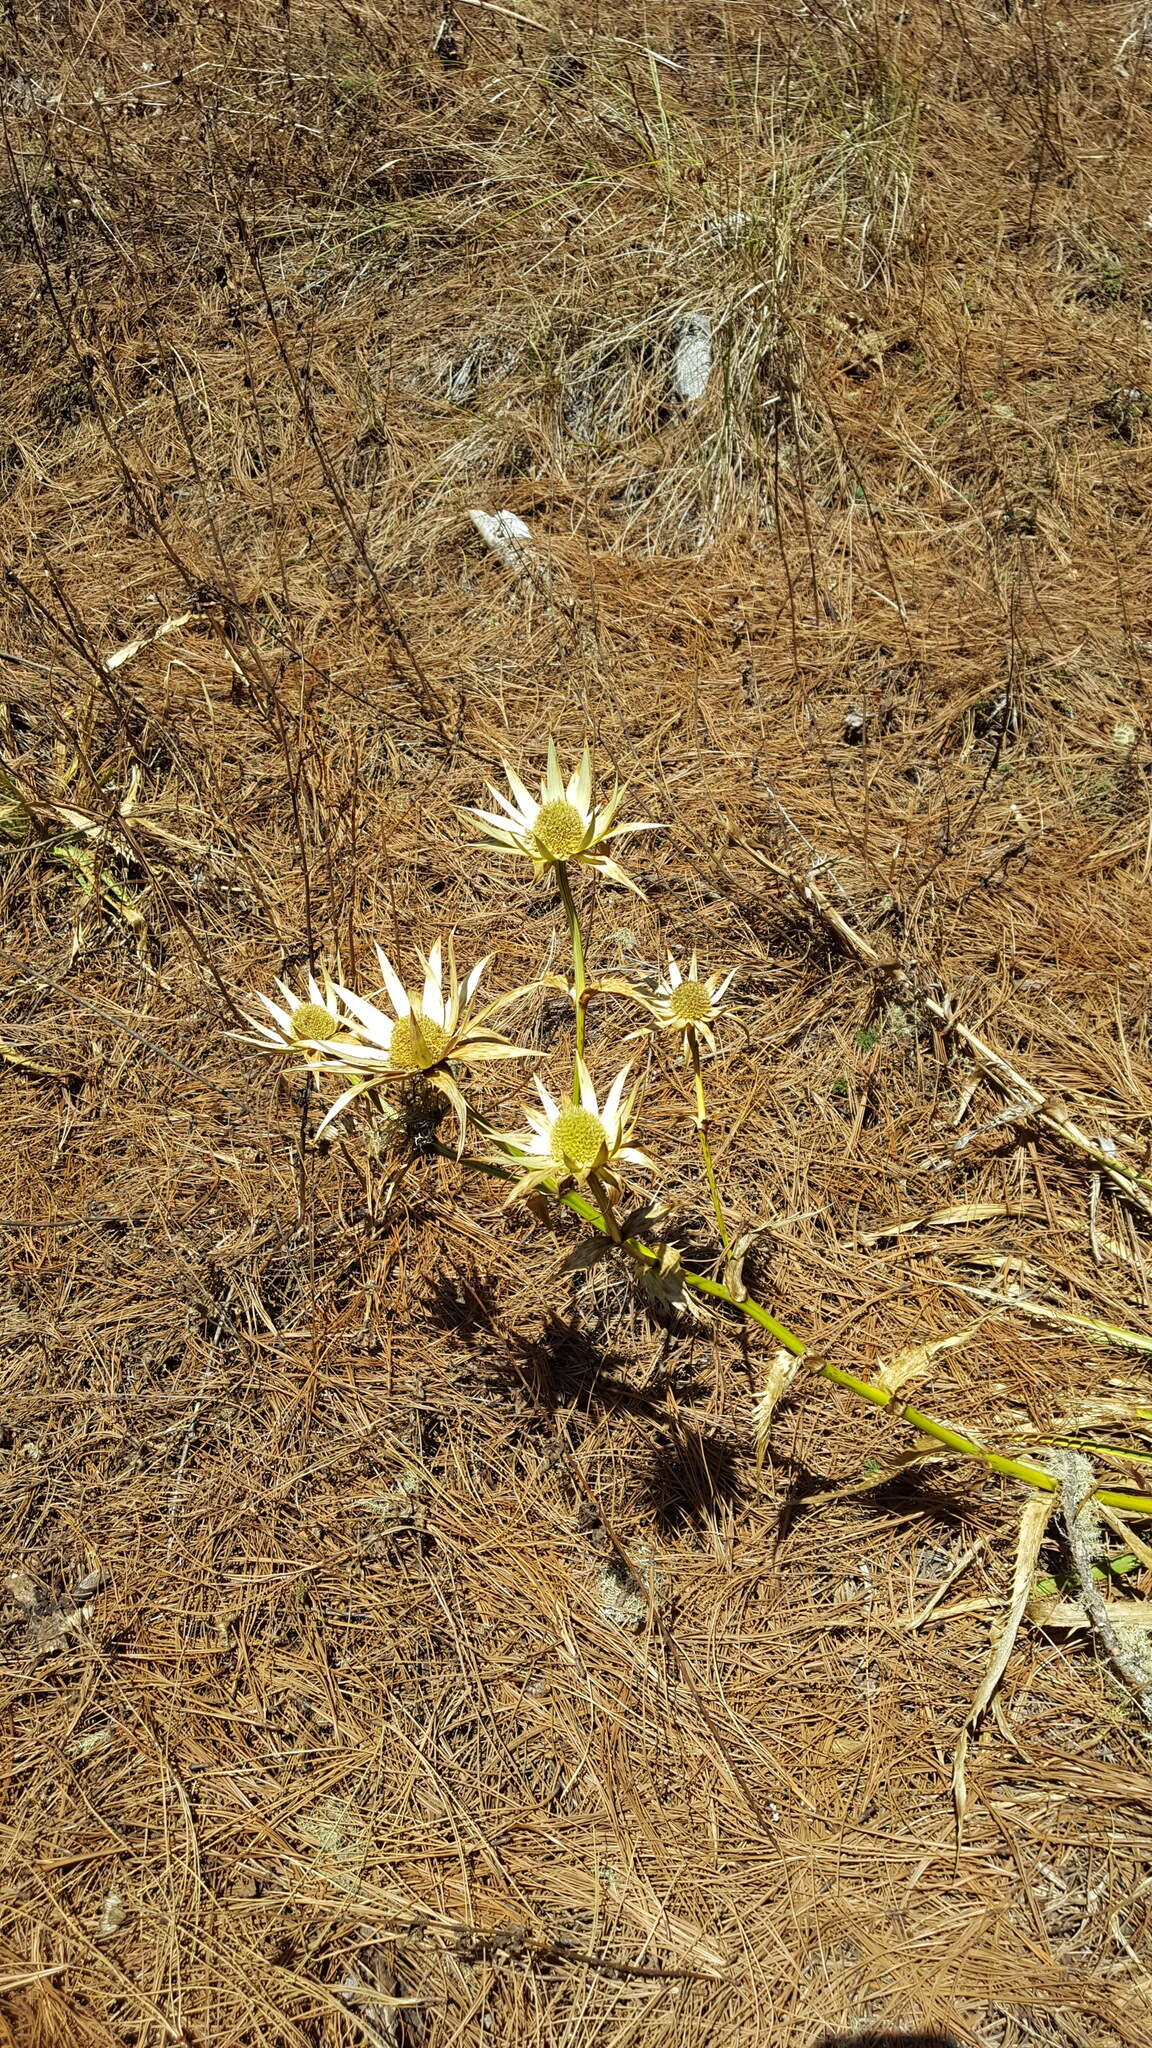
<point x="302" y="1024"/>
<point x="566" y="824"/>
<point x="573" y="1141"/>
<point x="688" y="1003"/>
<point x="426" y="1033"/>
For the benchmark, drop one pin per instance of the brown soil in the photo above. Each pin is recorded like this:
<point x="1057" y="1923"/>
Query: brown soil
<point x="403" y="1645"/>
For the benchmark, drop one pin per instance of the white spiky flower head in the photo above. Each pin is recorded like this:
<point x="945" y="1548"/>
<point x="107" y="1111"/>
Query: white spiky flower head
<point x="427" y="1032"/>
<point x="304" y="1024"/>
<point x="688" y="1003"/>
<point x="565" y="824"/>
<point x="571" y="1141"/>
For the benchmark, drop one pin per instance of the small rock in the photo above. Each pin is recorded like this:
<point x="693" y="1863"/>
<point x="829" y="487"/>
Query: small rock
<point x="506" y="535"/>
<point x="692" y="363"/>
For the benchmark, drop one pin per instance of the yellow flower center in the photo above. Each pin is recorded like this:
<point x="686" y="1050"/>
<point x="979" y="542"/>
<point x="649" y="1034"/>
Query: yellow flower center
<point x="418" y="1043"/>
<point x="578" y="1138"/>
<point x="312" y="1020"/>
<point x="690" y="1003"/>
<point x="560" y="829"/>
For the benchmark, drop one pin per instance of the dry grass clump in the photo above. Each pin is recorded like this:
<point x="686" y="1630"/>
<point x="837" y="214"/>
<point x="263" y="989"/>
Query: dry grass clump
<point x="403" y="1645"/>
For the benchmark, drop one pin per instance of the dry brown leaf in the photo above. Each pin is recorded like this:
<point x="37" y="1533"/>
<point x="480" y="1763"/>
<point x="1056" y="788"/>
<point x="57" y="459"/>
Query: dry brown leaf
<point x="1069" y="1614"/>
<point x="1033" y="1523"/>
<point x="961" y="1212"/>
<point x="913" y="1362"/>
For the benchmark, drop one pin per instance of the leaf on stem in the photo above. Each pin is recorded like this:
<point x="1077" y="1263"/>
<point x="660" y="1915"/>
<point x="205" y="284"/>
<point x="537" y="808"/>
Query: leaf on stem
<point x="734" y="1265"/>
<point x="662" y="1280"/>
<point x="781" y="1373"/>
<point x="590" y="1252"/>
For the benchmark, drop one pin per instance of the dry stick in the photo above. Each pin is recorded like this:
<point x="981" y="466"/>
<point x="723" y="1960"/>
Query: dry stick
<point x="417" y="681"/>
<point x="1137" y="1188"/>
<point x="13" y="1057"/>
<point x="942" y="1009"/>
<point x="76" y="637"/>
<point x="276" y="709"/>
<point x="1076" y="1494"/>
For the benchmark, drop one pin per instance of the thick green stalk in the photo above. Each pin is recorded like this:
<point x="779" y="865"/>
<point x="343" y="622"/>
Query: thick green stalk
<point x="579" y="976"/>
<point x="702" y="1134"/>
<point x="864" y="1390"/>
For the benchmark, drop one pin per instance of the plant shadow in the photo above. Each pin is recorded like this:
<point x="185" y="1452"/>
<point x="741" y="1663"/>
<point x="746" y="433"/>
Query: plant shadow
<point x="567" y="1369"/>
<point x="564" y="1367"/>
<point x="692" y="1477"/>
<point x="805" y="1492"/>
<point x="886" y="2041"/>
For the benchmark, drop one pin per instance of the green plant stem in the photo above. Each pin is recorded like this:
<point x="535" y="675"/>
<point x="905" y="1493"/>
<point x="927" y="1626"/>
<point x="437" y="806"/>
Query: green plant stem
<point x="702" y="1134"/>
<point x="864" y="1390"/>
<point x="579" y="977"/>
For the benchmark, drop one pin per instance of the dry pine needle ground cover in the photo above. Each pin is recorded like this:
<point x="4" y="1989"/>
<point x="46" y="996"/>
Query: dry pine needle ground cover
<point x="402" y="1645"/>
